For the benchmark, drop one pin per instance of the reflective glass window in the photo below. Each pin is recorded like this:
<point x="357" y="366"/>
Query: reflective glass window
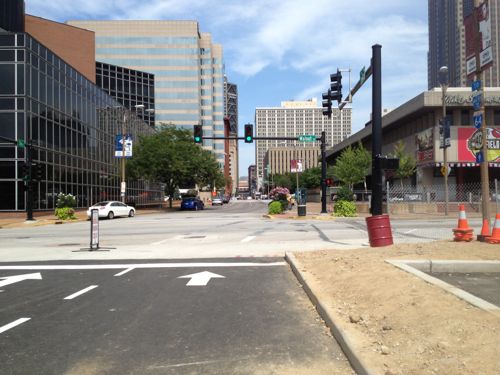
<point x="7" y="79"/>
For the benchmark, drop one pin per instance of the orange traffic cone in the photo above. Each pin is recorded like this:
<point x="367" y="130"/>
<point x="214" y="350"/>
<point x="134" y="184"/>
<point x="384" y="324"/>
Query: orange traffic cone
<point x="463" y="232"/>
<point x="485" y="231"/>
<point x="495" y="235"/>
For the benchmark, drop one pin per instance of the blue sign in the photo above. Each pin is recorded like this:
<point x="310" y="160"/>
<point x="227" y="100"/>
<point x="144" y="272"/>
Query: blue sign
<point x="476" y="102"/>
<point x="123" y="146"/>
<point x="476" y="85"/>
<point x="478" y="120"/>
<point x="479" y="157"/>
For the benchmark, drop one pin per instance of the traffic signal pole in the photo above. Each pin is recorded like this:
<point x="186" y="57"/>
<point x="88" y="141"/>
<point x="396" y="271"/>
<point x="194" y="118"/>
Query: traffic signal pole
<point x="376" y="203"/>
<point x="323" y="172"/>
<point x="29" y="197"/>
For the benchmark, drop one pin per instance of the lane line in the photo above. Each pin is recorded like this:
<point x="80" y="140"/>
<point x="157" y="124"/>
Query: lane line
<point x="140" y="265"/>
<point x="124" y="271"/>
<point x="248" y="239"/>
<point x="13" y="324"/>
<point x="74" y="295"/>
<point x="410" y="231"/>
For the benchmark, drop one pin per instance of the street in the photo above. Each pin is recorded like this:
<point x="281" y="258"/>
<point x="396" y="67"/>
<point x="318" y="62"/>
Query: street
<point x="108" y="318"/>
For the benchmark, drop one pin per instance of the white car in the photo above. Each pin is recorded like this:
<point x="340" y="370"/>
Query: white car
<point x="112" y="209"/>
<point x="217" y="201"/>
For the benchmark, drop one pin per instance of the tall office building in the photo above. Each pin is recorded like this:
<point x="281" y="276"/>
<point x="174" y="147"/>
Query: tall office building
<point x="447" y="42"/>
<point x="296" y="118"/>
<point x="231" y="114"/>
<point x="188" y="69"/>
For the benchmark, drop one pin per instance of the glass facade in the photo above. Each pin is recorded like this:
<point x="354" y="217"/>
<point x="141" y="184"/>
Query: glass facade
<point x="130" y="87"/>
<point x="70" y="122"/>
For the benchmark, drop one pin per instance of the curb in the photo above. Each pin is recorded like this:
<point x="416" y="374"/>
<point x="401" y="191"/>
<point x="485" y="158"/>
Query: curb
<point x="341" y="336"/>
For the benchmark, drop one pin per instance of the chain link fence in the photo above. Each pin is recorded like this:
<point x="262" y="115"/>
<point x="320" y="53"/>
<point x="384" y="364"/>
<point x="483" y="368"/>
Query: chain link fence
<point x="430" y="199"/>
<point x="144" y="193"/>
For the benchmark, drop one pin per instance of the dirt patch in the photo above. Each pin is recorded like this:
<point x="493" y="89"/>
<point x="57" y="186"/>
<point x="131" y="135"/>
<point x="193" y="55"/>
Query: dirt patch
<point x="400" y="324"/>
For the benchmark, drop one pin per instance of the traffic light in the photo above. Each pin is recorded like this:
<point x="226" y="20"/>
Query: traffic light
<point x="21" y="143"/>
<point x="329" y="182"/>
<point x="198" y="134"/>
<point x="37" y="172"/>
<point x="327" y="104"/>
<point x="336" y="86"/>
<point x="26" y="172"/>
<point x="248" y="133"/>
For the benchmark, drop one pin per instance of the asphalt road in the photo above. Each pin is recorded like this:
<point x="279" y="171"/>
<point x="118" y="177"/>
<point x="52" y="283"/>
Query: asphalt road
<point x="234" y="230"/>
<point x="103" y="318"/>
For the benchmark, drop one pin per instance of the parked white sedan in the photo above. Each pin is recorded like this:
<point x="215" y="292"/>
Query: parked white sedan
<point x="112" y="209"/>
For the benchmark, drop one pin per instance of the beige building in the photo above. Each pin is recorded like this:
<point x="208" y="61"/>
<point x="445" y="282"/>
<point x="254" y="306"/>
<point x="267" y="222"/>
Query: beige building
<point x="187" y="65"/>
<point x="292" y="119"/>
<point x="278" y="160"/>
<point x="416" y="123"/>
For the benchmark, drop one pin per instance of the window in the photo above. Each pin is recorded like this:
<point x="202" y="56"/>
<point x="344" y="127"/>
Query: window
<point x="7" y="78"/>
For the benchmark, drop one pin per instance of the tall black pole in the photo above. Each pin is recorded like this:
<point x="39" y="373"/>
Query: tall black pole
<point x="376" y="130"/>
<point x="323" y="172"/>
<point x="29" y="195"/>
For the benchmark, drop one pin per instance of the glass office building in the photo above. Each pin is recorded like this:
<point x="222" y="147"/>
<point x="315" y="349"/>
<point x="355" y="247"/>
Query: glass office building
<point x="70" y="122"/>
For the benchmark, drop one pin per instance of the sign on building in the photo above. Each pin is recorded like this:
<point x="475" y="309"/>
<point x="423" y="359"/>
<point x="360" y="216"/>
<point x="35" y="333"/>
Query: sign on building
<point x="478" y="39"/>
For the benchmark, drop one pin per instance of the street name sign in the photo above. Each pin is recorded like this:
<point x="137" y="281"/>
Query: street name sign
<point x="307" y="138"/>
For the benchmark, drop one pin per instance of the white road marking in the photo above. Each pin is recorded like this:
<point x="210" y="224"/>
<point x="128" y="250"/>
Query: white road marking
<point x="201" y="278"/>
<point x="248" y="239"/>
<point x="124" y="271"/>
<point x="410" y="231"/>
<point x="74" y="295"/>
<point x="13" y="324"/>
<point x="160" y="242"/>
<point x="16" y="278"/>
<point x="140" y="265"/>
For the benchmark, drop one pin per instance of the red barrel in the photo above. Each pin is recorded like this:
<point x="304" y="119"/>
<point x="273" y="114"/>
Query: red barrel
<point x="379" y="230"/>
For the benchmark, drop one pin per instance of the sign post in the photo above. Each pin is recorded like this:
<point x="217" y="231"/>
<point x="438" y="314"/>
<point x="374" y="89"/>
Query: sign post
<point x="94" y="229"/>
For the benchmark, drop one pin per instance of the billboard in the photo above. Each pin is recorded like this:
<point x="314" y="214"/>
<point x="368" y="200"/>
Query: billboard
<point x="470" y="143"/>
<point x="478" y="38"/>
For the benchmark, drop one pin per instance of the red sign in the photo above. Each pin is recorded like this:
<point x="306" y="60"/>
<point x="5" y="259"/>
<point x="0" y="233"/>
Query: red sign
<point x="470" y="143"/>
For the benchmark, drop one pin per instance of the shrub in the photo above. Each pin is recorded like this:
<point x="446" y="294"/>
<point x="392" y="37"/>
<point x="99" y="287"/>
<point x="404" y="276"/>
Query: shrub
<point x="65" y="200"/>
<point x="345" y="194"/>
<point x="345" y="209"/>
<point x="65" y="213"/>
<point x="275" y="208"/>
<point x="279" y="193"/>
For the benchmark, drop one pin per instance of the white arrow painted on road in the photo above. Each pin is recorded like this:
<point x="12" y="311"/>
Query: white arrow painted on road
<point x="201" y="278"/>
<point x="16" y="278"/>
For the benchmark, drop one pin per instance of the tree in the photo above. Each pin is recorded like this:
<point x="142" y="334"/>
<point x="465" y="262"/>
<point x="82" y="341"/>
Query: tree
<point x="283" y="180"/>
<point x="407" y="163"/>
<point x="352" y="166"/>
<point x="171" y="157"/>
<point x="310" y="178"/>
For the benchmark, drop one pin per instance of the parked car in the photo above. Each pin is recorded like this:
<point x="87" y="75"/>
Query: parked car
<point x="217" y="201"/>
<point x="226" y="199"/>
<point x="112" y="209"/>
<point x="192" y="203"/>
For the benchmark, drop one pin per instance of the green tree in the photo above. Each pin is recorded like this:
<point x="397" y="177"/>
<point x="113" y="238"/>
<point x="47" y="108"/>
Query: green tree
<point x="171" y="157"/>
<point x="407" y="163"/>
<point x="352" y="166"/>
<point x="310" y="178"/>
<point x="284" y="180"/>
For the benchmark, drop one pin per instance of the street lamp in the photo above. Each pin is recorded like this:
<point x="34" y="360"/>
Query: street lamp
<point x="443" y="81"/>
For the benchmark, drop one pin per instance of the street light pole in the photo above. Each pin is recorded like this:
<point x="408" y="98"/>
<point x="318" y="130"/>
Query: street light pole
<point x="443" y="71"/>
<point x="123" y="187"/>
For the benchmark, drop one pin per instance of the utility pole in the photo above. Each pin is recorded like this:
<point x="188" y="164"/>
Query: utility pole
<point x="323" y="172"/>
<point x="376" y="130"/>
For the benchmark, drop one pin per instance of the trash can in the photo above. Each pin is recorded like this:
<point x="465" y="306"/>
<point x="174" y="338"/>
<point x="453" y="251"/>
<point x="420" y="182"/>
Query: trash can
<point x="301" y="209"/>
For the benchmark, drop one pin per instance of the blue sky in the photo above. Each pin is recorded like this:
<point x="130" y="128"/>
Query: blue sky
<point x="280" y="50"/>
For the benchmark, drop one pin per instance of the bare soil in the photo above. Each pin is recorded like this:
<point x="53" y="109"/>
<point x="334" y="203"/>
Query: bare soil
<point x="398" y="323"/>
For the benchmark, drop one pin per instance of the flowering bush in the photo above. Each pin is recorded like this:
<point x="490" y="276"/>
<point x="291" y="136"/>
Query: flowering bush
<point x="65" y="207"/>
<point x="279" y="193"/>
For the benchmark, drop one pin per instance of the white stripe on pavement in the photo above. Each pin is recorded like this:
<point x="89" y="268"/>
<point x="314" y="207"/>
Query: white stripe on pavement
<point x="248" y="239"/>
<point x="13" y="324"/>
<point x="139" y="265"/>
<point x="124" y="271"/>
<point x="410" y="231"/>
<point x="74" y="295"/>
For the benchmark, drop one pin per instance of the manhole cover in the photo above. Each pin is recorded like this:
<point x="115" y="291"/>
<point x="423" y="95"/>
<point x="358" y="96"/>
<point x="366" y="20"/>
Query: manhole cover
<point x="194" y="237"/>
<point x="22" y="238"/>
<point x="69" y="244"/>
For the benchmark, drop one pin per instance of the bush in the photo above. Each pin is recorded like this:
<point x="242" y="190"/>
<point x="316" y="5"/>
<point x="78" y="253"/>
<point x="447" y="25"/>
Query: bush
<point x="345" y="194"/>
<point x="65" y="213"/>
<point x="345" y="209"/>
<point x="279" y="193"/>
<point x="275" y="208"/>
<point x="64" y="200"/>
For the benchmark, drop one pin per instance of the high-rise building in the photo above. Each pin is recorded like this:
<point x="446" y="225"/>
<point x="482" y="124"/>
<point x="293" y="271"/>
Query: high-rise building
<point x="188" y="69"/>
<point x="447" y="42"/>
<point x="295" y="118"/>
<point x="231" y="114"/>
<point x="132" y="88"/>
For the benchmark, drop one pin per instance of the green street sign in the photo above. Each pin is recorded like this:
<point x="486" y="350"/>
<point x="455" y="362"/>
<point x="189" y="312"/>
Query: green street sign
<point x="307" y="138"/>
<point x="21" y="143"/>
<point x="362" y="75"/>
